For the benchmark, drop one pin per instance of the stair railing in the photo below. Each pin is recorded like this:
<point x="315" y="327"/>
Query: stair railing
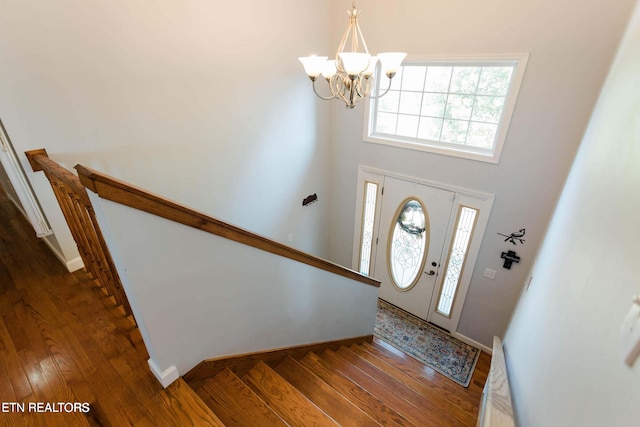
<point x="126" y="194"/>
<point x="71" y="194"/>
<point x="202" y="314"/>
<point x="79" y="214"/>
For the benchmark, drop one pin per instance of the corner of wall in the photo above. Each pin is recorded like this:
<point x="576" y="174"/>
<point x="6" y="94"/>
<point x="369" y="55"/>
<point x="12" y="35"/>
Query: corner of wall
<point x="72" y="264"/>
<point x="473" y="343"/>
<point x="165" y="377"/>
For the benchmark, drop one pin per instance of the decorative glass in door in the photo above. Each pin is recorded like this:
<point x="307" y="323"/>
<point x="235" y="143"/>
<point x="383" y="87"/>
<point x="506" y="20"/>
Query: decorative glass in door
<point x="457" y="257"/>
<point x="368" y="222"/>
<point x="408" y="244"/>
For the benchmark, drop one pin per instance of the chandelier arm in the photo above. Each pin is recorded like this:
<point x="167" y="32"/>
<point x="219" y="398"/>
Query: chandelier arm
<point x="343" y="40"/>
<point x="339" y="87"/>
<point x="380" y="95"/>
<point x="341" y="90"/>
<point x="336" y="85"/>
<point x="353" y="23"/>
<point x="342" y="44"/>
<point x="364" y="89"/>
<point x="343" y="98"/>
<point x="326" y="98"/>
<point x="364" y="43"/>
<point x="357" y="83"/>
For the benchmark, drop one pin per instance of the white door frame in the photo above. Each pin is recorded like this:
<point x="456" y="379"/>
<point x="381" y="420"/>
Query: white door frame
<point x="464" y="196"/>
<point x="28" y="201"/>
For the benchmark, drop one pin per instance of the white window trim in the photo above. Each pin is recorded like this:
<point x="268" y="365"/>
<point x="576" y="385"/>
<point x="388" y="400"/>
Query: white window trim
<point x="520" y="59"/>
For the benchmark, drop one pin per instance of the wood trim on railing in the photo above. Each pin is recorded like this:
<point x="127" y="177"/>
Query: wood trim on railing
<point x="118" y="191"/>
<point x="40" y="161"/>
<point x="83" y="225"/>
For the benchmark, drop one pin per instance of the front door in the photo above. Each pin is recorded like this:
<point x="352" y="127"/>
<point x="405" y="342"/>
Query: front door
<point x="411" y="239"/>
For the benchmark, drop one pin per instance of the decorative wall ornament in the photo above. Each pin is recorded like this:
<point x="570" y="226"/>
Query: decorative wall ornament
<point x="509" y="258"/>
<point x="411" y="218"/>
<point x="514" y="237"/>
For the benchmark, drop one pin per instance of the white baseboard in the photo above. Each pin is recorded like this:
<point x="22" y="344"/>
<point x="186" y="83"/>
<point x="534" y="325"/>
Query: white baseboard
<point x="72" y="265"/>
<point x="75" y="264"/>
<point x="165" y="377"/>
<point x="473" y="343"/>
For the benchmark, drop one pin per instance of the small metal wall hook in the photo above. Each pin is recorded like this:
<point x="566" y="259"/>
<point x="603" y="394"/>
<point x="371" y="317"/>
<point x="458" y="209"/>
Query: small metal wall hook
<point x="310" y="199"/>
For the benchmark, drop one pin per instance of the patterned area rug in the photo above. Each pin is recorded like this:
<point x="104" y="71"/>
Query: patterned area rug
<point x="431" y="346"/>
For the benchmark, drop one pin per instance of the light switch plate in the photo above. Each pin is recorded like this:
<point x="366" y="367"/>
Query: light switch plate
<point x="630" y="333"/>
<point x="489" y="273"/>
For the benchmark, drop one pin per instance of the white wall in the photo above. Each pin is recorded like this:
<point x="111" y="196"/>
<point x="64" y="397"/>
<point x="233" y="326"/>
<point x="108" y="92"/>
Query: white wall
<point x="201" y="101"/>
<point x="196" y="295"/>
<point x="563" y="345"/>
<point x="571" y="43"/>
<point x="210" y="94"/>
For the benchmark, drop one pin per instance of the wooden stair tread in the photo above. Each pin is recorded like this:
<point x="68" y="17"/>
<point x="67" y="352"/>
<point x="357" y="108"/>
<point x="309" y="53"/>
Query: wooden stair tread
<point x="291" y="405"/>
<point x="425" y="374"/>
<point x="382" y="390"/>
<point x="242" y="363"/>
<point x="445" y="401"/>
<point x="235" y="403"/>
<point x="373" y="406"/>
<point x="188" y="407"/>
<point x="322" y="394"/>
<point x="383" y="373"/>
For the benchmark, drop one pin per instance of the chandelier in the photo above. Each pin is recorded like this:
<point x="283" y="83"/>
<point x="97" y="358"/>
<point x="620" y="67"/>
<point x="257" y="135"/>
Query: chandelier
<point x="350" y="75"/>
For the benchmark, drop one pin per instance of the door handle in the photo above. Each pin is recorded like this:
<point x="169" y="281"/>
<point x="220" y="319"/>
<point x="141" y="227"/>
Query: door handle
<point x="430" y="273"/>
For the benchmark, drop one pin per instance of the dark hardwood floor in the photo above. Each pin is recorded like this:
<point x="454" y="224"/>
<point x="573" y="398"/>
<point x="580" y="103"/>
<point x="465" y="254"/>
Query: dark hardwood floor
<point x="64" y="341"/>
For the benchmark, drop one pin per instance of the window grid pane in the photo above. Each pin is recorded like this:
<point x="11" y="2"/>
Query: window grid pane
<point x="459" y="105"/>
<point x="371" y="195"/>
<point x="457" y="256"/>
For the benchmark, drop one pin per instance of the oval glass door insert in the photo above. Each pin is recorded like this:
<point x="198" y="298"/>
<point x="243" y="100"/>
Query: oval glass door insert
<point x="408" y="245"/>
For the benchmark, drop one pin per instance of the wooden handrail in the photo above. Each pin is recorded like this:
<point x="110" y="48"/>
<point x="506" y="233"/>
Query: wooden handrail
<point x="40" y="161"/>
<point x="118" y="191"/>
<point x="78" y="212"/>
